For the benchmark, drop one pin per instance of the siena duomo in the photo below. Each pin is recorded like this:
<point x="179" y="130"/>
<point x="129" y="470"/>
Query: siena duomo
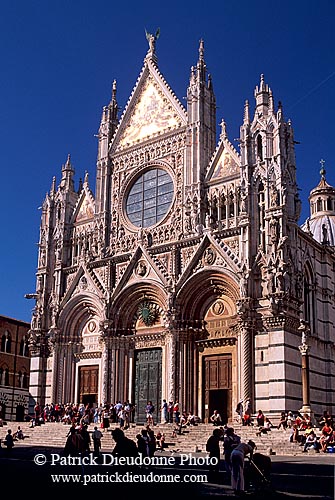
<point x="185" y="276"/>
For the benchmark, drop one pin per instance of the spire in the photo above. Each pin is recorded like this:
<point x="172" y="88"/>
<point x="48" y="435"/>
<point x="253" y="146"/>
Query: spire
<point x="280" y="115"/>
<point x="201" y="51"/>
<point x="113" y="107"/>
<point x="262" y="97"/>
<point x="114" y="91"/>
<point x="67" y="174"/>
<point x="201" y="66"/>
<point x="271" y="104"/>
<point x="80" y="187"/>
<point x="323" y="170"/>
<point x="53" y="186"/>
<point x="86" y="178"/>
<point x="246" y="116"/>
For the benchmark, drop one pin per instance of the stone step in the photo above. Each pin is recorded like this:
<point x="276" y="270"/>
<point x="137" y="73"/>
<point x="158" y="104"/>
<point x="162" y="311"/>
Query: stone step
<point x="192" y="439"/>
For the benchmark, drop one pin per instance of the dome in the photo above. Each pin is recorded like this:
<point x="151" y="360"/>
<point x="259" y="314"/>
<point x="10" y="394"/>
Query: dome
<point x="322" y="229"/>
<point x="321" y="223"/>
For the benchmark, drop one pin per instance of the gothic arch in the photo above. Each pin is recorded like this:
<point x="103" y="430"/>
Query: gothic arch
<point x="76" y="313"/>
<point x="201" y="290"/>
<point x="125" y="306"/>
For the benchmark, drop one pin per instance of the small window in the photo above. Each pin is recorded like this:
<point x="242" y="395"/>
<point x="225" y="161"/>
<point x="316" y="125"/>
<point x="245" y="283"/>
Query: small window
<point x="260" y="147"/>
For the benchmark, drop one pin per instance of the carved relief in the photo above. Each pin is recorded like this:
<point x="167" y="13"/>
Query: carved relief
<point x="209" y="256"/>
<point x="234" y="245"/>
<point x="141" y="269"/>
<point x="186" y="255"/>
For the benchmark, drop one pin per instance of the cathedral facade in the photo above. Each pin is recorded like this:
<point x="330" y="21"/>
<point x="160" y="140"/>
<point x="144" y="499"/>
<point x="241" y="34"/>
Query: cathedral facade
<point x="185" y="276"/>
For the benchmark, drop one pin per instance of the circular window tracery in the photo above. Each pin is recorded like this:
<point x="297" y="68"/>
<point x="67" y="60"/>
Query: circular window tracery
<point x="149" y="198"/>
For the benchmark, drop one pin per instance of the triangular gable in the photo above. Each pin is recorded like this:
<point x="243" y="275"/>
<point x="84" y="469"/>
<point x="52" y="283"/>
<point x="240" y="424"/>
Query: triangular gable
<point x="84" y="210"/>
<point x="210" y="254"/>
<point x="141" y="267"/>
<point x="83" y="283"/>
<point x="225" y="162"/>
<point x="152" y="109"/>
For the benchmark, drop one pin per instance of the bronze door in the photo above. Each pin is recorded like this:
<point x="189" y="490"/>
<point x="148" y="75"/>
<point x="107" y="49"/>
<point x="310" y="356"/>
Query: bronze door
<point x="148" y="382"/>
<point x="88" y="384"/>
<point x="217" y="386"/>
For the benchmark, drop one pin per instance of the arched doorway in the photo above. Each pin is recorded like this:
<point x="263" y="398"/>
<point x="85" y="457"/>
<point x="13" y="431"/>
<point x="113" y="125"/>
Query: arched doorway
<point x="209" y="299"/>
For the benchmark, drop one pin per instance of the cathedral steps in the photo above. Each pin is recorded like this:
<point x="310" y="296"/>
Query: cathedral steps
<point x="191" y="440"/>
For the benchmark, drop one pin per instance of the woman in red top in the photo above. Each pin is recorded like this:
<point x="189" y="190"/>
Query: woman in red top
<point x="326" y="434"/>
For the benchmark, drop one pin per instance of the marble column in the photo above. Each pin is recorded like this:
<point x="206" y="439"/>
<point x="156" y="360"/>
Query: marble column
<point x="171" y="365"/>
<point x="104" y="369"/>
<point x="246" y="375"/>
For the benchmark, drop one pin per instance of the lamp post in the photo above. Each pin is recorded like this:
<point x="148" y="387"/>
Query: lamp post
<point x="304" y="350"/>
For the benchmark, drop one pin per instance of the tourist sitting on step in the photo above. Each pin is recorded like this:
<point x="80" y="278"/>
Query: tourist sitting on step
<point x="264" y="429"/>
<point x="18" y="434"/>
<point x="311" y="442"/>
<point x="260" y="418"/>
<point x="216" y="418"/>
<point x="283" y="421"/>
<point x="326" y="436"/>
<point x="246" y="419"/>
<point x="160" y="440"/>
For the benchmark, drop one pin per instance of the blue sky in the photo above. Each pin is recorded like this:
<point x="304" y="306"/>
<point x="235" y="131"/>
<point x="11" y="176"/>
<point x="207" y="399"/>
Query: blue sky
<point x="58" y="61"/>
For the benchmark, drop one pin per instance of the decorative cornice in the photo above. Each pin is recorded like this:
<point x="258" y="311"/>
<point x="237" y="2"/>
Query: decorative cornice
<point x="226" y="341"/>
<point x="88" y="355"/>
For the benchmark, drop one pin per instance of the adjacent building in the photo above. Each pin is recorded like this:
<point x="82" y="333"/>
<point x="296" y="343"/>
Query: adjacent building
<point x="185" y="275"/>
<point x="14" y="369"/>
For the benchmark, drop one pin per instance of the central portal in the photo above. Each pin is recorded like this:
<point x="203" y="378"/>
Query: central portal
<point x="88" y="384"/>
<point x="148" y="382"/>
<point x="217" y="386"/>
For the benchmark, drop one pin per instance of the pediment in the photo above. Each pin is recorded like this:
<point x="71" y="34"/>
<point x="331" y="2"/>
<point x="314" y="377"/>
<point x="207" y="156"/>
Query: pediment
<point x="84" y="281"/>
<point x="84" y="210"/>
<point x="211" y="255"/>
<point x="141" y="267"/>
<point x="152" y="110"/>
<point x="225" y="162"/>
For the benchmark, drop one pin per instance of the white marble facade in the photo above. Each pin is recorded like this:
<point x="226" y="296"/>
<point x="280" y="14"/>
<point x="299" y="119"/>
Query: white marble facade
<point x="190" y="252"/>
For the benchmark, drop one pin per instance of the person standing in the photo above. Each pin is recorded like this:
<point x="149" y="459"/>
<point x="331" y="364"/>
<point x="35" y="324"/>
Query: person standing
<point x="96" y="437"/>
<point x="164" y="410"/>
<point x="213" y="448"/>
<point x="230" y="441"/>
<point x="9" y="441"/>
<point x="238" y="455"/>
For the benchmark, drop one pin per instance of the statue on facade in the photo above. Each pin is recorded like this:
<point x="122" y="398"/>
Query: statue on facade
<point x="273" y="196"/>
<point x="152" y="39"/>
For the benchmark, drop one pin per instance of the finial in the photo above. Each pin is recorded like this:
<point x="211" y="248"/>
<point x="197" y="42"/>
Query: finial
<point x="246" y="117"/>
<point x="223" y="134"/>
<point x="86" y="177"/>
<point x="201" y="50"/>
<point x="322" y="170"/>
<point x="152" y="40"/>
<point x="53" y="185"/>
<point x="114" y="90"/>
<point x="262" y="84"/>
<point x="80" y="187"/>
